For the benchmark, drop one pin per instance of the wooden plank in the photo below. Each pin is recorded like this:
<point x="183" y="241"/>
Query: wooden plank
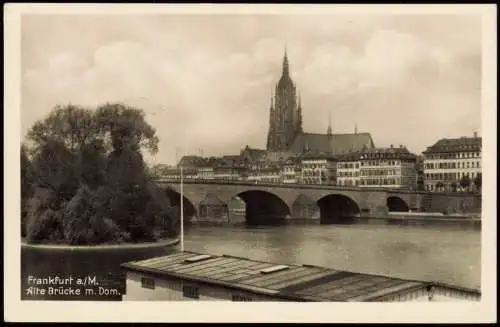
<point x="337" y="292"/>
<point x="172" y="255"/>
<point x="219" y="275"/>
<point x="258" y="266"/>
<point x="261" y="280"/>
<point x="262" y="277"/>
<point x="234" y="277"/>
<point x="387" y="283"/>
<point x="240" y="271"/>
<point x="366" y="283"/>
<point x="165" y="258"/>
<point x="149" y="263"/>
<point x="330" y="285"/>
<point x="367" y="291"/>
<point x="222" y="268"/>
<point x="394" y="289"/>
<point x="210" y="271"/>
<point x="350" y="280"/>
<point x="297" y="273"/>
<point x="168" y="262"/>
<point x="150" y="260"/>
<point x="286" y="283"/>
<point x="188" y="267"/>
<point x="206" y="264"/>
<point x="251" y="264"/>
<point x="232" y="264"/>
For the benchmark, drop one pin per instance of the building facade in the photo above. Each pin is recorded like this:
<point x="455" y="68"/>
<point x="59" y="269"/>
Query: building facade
<point x="270" y="174"/>
<point x="291" y="171"/>
<point x="348" y="169"/>
<point x="206" y="172"/>
<point x="453" y="164"/>
<point x="393" y="167"/>
<point x="318" y="169"/>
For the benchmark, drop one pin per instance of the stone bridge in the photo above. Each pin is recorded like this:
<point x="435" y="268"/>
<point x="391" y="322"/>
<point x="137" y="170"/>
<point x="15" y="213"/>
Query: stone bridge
<point x="299" y="201"/>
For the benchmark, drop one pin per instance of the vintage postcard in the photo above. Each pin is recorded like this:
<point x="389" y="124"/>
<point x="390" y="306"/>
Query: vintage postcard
<point x="166" y="161"/>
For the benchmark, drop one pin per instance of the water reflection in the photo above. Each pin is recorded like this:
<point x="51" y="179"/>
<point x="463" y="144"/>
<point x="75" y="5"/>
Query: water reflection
<point x="447" y="253"/>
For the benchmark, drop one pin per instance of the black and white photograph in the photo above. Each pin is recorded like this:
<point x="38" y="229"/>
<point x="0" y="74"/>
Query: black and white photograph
<point x="211" y="154"/>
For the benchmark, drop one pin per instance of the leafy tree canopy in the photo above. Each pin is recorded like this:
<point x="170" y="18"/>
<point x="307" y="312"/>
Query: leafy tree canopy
<point x="85" y="180"/>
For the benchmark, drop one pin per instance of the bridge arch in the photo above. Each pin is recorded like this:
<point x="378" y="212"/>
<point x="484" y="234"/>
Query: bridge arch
<point x="175" y="201"/>
<point x="264" y="208"/>
<point x="337" y="208"/>
<point x="395" y="203"/>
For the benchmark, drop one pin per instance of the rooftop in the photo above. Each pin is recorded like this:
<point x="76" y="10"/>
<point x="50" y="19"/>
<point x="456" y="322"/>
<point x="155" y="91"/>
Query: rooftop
<point x="353" y="156"/>
<point x="252" y="154"/>
<point x="461" y="144"/>
<point x="335" y="143"/>
<point x="294" y="282"/>
<point x="400" y="152"/>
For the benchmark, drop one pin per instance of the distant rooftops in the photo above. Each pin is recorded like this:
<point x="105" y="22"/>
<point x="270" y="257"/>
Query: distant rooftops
<point x="400" y="152"/>
<point x="273" y="160"/>
<point x="462" y="144"/>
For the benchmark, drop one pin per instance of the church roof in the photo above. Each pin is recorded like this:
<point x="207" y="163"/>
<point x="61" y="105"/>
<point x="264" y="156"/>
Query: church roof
<point x="254" y="154"/>
<point x="272" y="156"/>
<point x="335" y="143"/>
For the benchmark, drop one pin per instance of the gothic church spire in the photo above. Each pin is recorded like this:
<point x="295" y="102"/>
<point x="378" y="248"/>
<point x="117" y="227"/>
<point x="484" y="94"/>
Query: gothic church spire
<point x="286" y="67"/>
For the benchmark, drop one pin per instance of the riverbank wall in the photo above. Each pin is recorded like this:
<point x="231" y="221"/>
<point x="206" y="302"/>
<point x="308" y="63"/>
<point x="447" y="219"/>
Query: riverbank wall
<point x="150" y="246"/>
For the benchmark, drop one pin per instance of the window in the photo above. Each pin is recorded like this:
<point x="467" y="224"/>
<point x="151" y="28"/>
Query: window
<point x="241" y="298"/>
<point x="148" y="283"/>
<point x="190" y="291"/>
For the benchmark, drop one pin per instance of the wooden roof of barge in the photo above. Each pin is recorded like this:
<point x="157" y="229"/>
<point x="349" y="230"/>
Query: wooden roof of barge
<point x="292" y="282"/>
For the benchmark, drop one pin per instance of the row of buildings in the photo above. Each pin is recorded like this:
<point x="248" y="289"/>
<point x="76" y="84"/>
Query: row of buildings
<point x="444" y="166"/>
<point x="293" y="156"/>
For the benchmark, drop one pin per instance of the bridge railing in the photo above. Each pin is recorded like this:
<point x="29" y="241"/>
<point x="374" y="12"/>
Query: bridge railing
<point x="302" y="185"/>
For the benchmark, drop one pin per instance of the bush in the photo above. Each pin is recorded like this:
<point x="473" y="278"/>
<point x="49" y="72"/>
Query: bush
<point x="44" y="227"/>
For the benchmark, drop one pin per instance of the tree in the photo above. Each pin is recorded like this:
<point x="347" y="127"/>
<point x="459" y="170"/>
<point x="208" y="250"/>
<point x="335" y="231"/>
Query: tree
<point x="478" y="181"/>
<point x="54" y="167"/>
<point x="91" y="164"/>
<point x="465" y="182"/>
<point x="72" y="126"/>
<point x="26" y="173"/>
<point x="90" y="177"/>
<point x="26" y="186"/>
<point x="123" y="127"/>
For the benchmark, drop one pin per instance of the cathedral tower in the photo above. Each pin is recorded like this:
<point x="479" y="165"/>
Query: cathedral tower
<point x="285" y="116"/>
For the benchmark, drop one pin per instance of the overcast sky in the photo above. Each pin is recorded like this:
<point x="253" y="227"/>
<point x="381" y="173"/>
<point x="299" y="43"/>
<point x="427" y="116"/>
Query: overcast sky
<point x="405" y="79"/>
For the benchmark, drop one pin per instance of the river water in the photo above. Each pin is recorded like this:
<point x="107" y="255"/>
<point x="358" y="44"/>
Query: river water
<point x="447" y="253"/>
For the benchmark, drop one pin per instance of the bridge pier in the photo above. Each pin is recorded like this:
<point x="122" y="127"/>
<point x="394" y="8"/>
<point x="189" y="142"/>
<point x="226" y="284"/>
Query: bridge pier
<point x="305" y="209"/>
